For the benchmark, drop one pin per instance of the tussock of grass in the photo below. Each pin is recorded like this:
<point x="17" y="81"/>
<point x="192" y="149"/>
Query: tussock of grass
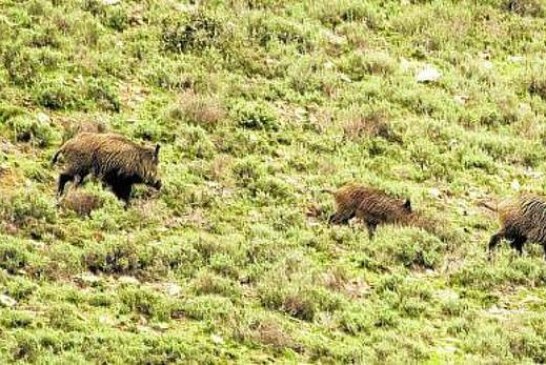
<point x="81" y="203"/>
<point x="201" y="110"/>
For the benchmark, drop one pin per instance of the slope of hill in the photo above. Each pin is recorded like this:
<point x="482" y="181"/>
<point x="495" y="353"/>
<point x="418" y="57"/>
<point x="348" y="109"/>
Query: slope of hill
<point x="258" y="105"/>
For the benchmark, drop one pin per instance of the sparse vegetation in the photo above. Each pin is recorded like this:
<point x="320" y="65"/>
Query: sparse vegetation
<point x="257" y="106"/>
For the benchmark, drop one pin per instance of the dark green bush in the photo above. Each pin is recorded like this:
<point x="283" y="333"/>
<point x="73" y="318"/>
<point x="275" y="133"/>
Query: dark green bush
<point x="256" y="116"/>
<point x="192" y="32"/>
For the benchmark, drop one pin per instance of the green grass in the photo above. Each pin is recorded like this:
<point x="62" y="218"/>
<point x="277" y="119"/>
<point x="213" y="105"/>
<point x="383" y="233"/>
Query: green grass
<point x="258" y="105"/>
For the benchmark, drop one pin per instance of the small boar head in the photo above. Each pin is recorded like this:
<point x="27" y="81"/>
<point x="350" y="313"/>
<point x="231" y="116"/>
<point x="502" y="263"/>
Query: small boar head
<point x="150" y="161"/>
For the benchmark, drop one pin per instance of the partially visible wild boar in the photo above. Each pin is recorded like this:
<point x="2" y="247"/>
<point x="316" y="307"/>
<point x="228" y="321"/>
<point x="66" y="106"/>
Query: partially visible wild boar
<point x="115" y="160"/>
<point x="372" y="206"/>
<point x="522" y="219"/>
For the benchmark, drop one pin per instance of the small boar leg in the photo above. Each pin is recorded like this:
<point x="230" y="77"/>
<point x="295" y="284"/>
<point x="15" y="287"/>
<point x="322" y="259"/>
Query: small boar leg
<point x="494" y="241"/>
<point x="371" y="226"/>
<point x="517" y="244"/>
<point x="123" y="192"/>
<point x="63" y="179"/>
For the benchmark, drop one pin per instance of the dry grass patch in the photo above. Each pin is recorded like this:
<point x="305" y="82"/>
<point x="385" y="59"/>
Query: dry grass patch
<point x="371" y="124"/>
<point x="82" y="203"/>
<point x="314" y="210"/>
<point x="219" y="168"/>
<point x="300" y="305"/>
<point x="10" y="179"/>
<point x="206" y="111"/>
<point x="268" y="332"/>
<point x="81" y="127"/>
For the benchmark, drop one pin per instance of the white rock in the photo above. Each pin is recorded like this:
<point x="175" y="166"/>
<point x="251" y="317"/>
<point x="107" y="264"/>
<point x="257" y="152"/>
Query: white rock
<point x="144" y="329"/>
<point x="515" y="185"/>
<point x="448" y="349"/>
<point x="345" y="78"/>
<point x="516" y="59"/>
<point x="447" y="295"/>
<point x="534" y="174"/>
<point x="106" y="320"/>
<point x="128" y="280"/>
<point x="111" y="2"/>
<point x="186" y="8"/>
<point x="217" y="339"/>
<point x="160" y="326"/>
<point x="7" y="301"/>
<point x="428" y="74"/>
<point x="405" y="65"/>
<point x="435" y="192"/>
<point x="525" y="108"/>
<point x="488" y="65"/>
<point x="460" y="99"/>
<point x="42" y="118"/>
<point x="532" y="299"/>
<point x="474" y="194"/>
<point x="334" y="38"/>
<point x="88" y="278"/>
<point x="172" y="289"/>
<point x="503" y="312"/>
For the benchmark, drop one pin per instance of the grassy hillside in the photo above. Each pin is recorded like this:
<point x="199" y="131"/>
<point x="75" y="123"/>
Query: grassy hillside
<point x="258" y="105"/>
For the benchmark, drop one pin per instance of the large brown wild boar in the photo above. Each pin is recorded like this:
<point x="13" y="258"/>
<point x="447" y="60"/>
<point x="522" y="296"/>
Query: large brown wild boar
<point x="115" y="160"/>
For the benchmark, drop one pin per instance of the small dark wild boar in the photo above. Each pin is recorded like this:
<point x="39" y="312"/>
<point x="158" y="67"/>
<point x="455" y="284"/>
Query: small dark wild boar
<point x="372" y="206"/>
<point x="522" y="219"/>
<point x="115" y="160"/>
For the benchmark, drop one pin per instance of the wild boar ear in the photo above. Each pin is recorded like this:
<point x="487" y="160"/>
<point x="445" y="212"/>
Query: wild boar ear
<point x="156" y="152"/>
<point x="407" y="204"/>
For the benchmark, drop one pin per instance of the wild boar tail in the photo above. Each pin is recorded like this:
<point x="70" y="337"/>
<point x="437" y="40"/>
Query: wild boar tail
<point x="488" y="206"/>
<point x="327" y="190"/>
